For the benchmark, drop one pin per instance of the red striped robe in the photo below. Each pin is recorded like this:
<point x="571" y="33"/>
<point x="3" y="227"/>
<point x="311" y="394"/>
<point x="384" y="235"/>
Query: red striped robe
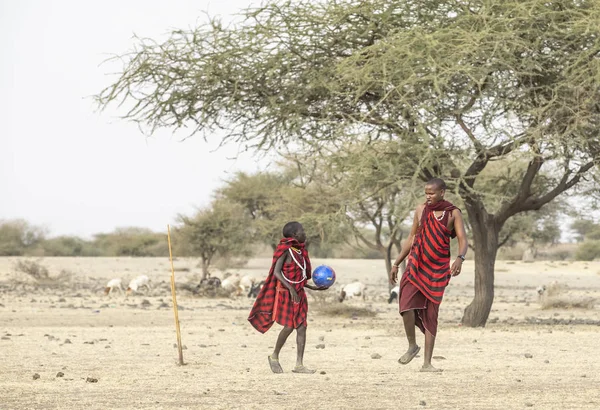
<point x="428" y="266"/>
<point x="274" y="303"/>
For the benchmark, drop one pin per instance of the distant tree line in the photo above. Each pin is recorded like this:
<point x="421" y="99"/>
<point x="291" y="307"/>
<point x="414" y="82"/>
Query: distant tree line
<point x="20" y="238"/>
<point x="248" y="211"/>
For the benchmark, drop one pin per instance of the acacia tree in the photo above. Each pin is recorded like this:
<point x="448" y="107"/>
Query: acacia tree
<point x="271" y="199"/>
<point x="222" y="230"/>
<point x="457" y="83"/>
<point x="256" y="193"/>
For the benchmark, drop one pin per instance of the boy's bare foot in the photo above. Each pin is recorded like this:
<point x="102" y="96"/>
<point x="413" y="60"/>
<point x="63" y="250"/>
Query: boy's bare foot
<point x="303" y="369"/>
<point x="430" y="369"/>
<point x="409" y="355"/>
<point x="275" y="366"/>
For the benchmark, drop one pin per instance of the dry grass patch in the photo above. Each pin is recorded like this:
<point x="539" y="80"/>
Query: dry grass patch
<point x="557" y="296"/>
<point x="344" y="310"/>
<point x="557" y="302"/>
<point x="40" y="274"/>
<point x="326" y="303"/>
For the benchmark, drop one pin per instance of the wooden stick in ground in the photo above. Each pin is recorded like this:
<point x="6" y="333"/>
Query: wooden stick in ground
<point x="179" y="348"/>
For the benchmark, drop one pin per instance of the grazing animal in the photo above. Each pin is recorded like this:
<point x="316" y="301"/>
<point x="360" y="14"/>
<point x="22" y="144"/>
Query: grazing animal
<point x="138" y="282"/>
<point x="394" y="292"/>
<point x="246" y="283"/>
<point x="255" y="289"/>
<point x="557" y="295"/>
<point x="232" y="284"/>
<point x="351" y="290"/>
<point x="553" y="289"/>
<point x="112" y="285"/>
<point x="209" y="284"/>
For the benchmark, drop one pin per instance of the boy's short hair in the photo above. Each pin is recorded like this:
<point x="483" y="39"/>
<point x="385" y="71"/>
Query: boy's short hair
<point x="291" y="228"/>
<point x="437" y="182"/>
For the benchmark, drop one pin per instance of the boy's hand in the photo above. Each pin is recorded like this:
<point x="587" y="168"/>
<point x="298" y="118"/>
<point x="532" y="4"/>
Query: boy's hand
<point x="294" y="295"/>
<point x="313" y="287"/>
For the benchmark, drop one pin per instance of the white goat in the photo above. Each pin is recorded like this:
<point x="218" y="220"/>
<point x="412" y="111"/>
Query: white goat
<point x="553" y="289"/>
<point x="138" y="282"/>
<point x="394" y="292"/>
<point x="232" y="284"/>
<point x="112" y="285"/>
<point x="246" y="283"/>
<point x="351" y="290"/>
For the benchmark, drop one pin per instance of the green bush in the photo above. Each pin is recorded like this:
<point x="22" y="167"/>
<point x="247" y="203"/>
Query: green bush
<point x="67" y="246"/>
<point x="18" y="237"/>
<point x="131" y="241"/>
<point x="588" y="251"/>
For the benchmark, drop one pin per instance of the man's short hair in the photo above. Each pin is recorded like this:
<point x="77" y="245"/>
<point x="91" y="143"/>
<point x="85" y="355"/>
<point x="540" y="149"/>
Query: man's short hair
<point x="437" y="182"/>
<point x="291" y="228"/>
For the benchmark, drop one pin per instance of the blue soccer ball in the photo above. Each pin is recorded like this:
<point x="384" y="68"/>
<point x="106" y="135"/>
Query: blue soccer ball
<point x="323" y="276"/>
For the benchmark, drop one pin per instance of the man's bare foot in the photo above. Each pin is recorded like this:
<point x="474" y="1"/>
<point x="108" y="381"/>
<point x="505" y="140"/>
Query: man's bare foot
<point x="303" y="369"/>
<point x="430" y="369"/>
<point x="275" y="366"/>
<point x="409" y="355"/>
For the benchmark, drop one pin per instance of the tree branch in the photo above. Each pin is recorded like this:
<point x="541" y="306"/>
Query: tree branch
<point x="484" y="157"/>
<point x="565" y="184"/>
<point x="536" y="203"/>
<point x="469" y="132"/>
<point x="505" y="240"/>
<point x="362" y="238"/>
<point x="510" y="208"/>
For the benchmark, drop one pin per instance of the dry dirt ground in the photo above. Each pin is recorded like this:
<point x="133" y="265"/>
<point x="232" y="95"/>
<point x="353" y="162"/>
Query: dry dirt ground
<point x="118" y="353"/>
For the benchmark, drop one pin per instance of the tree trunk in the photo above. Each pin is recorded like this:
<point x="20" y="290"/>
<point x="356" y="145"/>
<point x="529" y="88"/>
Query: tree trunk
<point x="485" y="237"/>
<point x="205" y="265"/>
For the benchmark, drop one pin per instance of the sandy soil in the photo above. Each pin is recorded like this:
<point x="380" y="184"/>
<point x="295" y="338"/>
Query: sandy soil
<point x="525" y="357"/>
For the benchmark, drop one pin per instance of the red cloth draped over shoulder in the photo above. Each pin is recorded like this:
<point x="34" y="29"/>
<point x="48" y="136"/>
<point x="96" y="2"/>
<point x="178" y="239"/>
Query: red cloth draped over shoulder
<point x="273" y="303"/>
<point x="428" y="267"/>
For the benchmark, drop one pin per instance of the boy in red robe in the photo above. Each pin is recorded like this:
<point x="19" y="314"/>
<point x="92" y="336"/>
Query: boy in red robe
<point x="282" y="299"/>
<point x="428" y="270"/>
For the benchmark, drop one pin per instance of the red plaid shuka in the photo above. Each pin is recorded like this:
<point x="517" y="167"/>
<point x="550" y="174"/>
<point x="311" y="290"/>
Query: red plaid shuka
<point x="428" y="266"/>
<point x="274" y="303"/>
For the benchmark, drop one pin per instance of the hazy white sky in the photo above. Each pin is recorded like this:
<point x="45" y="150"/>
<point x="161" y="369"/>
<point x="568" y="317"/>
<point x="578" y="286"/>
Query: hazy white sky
<point x="77" y="171"/>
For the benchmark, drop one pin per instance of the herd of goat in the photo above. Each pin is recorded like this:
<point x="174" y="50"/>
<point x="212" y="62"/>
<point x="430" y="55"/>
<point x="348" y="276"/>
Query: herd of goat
<point x="236" y="285"/>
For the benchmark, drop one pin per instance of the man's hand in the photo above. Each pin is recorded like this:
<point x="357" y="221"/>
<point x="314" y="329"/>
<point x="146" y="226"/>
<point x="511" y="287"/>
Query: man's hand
<point x="294" y="295"/>
<point x="456" y="267"/>
<point x="313" y="287"/>
<point x="394" y="274"/>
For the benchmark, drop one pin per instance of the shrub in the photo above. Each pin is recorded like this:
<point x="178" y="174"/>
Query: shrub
<point x="588" y="251"/>
<point x="17" y="237"/>
<point x="40" y="273"/>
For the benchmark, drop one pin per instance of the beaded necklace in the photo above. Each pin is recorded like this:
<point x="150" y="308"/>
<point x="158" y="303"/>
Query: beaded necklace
<point x="302" y="267"/>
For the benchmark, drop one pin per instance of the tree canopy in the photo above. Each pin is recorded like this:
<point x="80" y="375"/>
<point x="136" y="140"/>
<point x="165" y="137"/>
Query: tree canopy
<point x="457" y="85"/>
<point x="221" y="230"/>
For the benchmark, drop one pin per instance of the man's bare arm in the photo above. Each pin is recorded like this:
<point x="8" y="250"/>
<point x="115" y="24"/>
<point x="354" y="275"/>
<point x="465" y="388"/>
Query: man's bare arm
<point x="461" y="234"/>
<point x="463" y="243"/>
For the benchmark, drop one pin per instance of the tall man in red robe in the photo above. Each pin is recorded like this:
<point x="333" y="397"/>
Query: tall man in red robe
<point x="428" y="269"/>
